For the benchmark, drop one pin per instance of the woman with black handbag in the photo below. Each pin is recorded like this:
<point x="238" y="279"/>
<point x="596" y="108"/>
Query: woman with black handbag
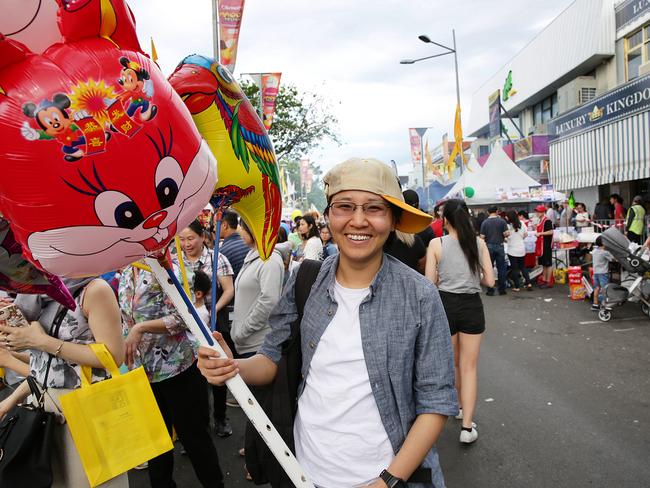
<point x="58" y="344"/>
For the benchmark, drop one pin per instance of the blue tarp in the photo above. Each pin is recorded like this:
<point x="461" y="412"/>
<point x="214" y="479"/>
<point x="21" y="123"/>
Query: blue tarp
<point x="432" y="193"/>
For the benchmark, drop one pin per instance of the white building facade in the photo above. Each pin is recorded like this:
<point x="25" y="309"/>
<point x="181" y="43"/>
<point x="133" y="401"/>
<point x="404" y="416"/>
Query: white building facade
<point x="584" y="83"/>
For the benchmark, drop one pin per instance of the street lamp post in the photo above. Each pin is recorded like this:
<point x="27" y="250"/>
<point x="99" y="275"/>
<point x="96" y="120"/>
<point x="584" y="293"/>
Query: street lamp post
<point x="424" y="38"/>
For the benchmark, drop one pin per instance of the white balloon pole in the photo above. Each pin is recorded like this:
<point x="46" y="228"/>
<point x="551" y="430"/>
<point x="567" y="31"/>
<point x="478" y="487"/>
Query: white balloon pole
<point x="236" y="385"/>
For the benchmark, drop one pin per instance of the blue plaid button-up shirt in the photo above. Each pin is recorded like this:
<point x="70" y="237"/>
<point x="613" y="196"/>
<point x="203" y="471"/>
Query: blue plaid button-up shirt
<point x="406" y="344"/>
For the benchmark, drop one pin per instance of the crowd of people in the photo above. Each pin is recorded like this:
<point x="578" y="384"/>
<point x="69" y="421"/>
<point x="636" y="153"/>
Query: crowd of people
<point x="390" y="334"/>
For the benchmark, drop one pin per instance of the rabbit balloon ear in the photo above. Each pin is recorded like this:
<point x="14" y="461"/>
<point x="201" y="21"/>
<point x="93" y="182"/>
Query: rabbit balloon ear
<point x="11" y="52"/>
<point x="107" y="19"/>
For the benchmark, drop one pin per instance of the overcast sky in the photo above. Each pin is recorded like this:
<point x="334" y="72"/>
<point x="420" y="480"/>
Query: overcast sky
<point x="350" y="50"/>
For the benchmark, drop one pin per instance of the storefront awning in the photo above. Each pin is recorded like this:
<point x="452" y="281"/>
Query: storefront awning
<point x="619" y="151"/>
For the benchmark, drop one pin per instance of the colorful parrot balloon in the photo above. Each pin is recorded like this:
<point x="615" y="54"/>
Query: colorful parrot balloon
<point x="101" y="163"/>
<point x="248" y="168"/>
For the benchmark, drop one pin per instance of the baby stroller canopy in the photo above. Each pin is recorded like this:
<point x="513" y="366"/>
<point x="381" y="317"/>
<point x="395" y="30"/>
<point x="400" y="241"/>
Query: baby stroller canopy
<point x="619" y="246"/>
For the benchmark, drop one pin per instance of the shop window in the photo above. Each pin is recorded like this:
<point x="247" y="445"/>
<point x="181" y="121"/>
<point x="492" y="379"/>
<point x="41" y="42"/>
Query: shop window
<point x="634" y="60"/>
<point x="547" y="113"/>
<point x="545" y="110"/>
<point x="637" y="51"/>
<point x="635" y="40"/>
<point x="483" y="151"/>
<point x="537" y="114"/>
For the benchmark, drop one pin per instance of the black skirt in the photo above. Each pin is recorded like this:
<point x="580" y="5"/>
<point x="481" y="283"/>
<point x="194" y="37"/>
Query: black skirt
<point x="464" y="312"/>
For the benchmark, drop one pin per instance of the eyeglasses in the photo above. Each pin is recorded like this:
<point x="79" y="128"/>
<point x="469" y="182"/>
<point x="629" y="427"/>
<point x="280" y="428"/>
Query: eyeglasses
<point x="347" y="209"/>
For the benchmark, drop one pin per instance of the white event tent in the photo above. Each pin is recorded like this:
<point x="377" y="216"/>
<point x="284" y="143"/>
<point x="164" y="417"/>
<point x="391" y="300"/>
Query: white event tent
<point x="498" y="172"/>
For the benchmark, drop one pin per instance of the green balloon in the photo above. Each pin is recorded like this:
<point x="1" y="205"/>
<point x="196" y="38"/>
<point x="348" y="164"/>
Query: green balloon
<point x="469" y="192"/>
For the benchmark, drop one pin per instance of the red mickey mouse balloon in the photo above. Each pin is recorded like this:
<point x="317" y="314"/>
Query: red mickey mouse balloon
<point x="101" y="161"/>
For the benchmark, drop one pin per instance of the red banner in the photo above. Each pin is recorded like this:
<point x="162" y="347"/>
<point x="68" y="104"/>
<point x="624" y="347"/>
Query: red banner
<point x="121" y="121"/>
<point x="270" y="89"/>
<point x="94" y="135"/>
<point x="416" y="147"/>
<point x="230" y="15"/>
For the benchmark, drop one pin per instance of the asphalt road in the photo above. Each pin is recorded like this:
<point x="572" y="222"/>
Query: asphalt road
<point x="564" y="401"/>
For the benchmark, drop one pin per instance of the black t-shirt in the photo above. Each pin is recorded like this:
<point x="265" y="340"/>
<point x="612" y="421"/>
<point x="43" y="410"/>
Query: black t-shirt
<point x="548" y="240"/>
<point x="408" y="255"/>
<point x="493" y="228"/>
<point x="426" y="235"/>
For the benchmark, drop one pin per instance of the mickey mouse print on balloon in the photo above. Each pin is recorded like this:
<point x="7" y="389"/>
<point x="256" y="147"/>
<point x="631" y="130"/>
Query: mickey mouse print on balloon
<point x="138" y="89"/>
<point x="97" y="110"/>
<point x="101" y="161"/>
<point x="77" y="137"/>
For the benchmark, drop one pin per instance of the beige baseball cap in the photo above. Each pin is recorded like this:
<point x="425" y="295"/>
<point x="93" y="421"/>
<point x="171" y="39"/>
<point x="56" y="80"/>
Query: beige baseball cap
<point x="374" y="176"/>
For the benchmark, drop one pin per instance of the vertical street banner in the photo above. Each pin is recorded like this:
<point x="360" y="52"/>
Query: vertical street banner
<point x="428" y="160"/>
<point x="230" y="15"/>
<point x="416" y="147"/>
<point x="310" y="180"/>
<point x="494" y="101"/>
<point x="270" y="89"/>
<point x="458" y="145"/>
<point x="304" y="171"/>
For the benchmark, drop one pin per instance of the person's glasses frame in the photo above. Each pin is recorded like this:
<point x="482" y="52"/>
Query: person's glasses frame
<point x="369" y="209"/>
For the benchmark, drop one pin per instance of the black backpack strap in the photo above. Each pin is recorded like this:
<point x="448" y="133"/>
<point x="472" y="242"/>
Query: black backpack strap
<point x="305" y="279"/>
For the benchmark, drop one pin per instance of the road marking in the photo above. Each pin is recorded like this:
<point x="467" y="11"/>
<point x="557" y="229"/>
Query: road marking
<point x="588" y="322"/>
<point x="623" y="330"/>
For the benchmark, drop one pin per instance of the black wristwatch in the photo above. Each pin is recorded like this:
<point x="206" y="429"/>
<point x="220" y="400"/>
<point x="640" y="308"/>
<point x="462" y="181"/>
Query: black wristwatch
<point x="392" y="481"/>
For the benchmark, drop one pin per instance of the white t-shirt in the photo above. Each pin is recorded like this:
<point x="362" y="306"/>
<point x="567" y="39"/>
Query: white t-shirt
<point x="582" y="219"/>
<point x="340" y="439"/>
<point x="313" y="249"/>
<point x="204" y="314"/>
<point x="516" y="246"/>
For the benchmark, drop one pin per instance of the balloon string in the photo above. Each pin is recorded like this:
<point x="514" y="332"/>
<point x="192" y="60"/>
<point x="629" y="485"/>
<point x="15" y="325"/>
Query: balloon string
<point x="181" y="262"/>
<point x="215" y="269"/>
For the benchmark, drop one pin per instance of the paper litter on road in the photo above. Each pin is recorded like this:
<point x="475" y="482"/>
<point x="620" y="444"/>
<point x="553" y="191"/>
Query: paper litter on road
<point x="547" y="300"/>
<point x="489" y="400"/>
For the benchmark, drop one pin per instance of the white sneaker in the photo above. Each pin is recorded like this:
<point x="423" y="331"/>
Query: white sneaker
<point x="468" y="437"/>
<point x="460" y="414"/>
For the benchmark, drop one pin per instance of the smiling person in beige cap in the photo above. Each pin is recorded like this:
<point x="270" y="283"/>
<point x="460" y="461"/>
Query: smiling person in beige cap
<point x="377" y="365"/>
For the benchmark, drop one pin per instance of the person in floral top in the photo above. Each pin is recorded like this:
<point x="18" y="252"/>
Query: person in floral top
<point x="197" y="256"/>
<point x="157" y="339"/>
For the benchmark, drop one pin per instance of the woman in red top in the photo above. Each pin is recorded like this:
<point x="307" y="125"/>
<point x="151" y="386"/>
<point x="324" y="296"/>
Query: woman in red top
<point x="543" y="246"/>
<point x="436" y="225"/>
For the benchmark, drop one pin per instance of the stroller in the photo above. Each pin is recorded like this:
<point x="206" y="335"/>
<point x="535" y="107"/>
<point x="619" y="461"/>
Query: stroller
<point x="634" y="287"/>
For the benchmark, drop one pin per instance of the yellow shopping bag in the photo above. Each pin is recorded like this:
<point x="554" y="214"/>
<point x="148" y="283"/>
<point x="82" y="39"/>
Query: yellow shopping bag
<point x="115" y="424"/>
